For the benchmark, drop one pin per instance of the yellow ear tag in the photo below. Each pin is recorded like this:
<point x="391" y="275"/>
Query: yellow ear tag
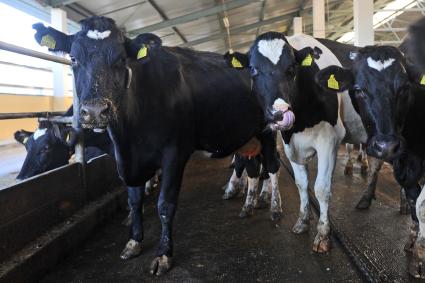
<point x="308" y="60"/>
<point x="333" y="83"/>
<point x="236" y="63"/>
<point x="143" y="52"/>
<point x="48" y="41"/>
<point x="423" y="80"/>
<point x="25" y="140"/>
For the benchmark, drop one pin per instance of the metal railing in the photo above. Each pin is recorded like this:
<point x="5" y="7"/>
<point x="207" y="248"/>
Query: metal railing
<point x="52" y="116"/>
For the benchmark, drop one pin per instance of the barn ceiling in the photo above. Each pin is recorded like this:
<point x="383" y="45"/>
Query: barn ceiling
<point x="202" y="24"/>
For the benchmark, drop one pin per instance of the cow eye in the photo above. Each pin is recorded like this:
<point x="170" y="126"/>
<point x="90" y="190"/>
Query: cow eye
<point x="254" y="71"/>
<point x="359" y="92"/>
<point x="74" y="61"/>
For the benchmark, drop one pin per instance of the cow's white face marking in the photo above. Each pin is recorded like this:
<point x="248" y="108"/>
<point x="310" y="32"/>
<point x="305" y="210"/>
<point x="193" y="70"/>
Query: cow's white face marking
<point x="39" y="133"/>
<point x="379" y="65"/>
<point x="271" y="49"/>
<point x="95" y="34"/>
<point x="280" y="105"/>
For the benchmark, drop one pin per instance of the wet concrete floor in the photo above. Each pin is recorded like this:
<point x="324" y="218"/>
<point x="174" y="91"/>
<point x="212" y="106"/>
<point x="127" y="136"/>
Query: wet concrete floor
<point x="212" y="244"/>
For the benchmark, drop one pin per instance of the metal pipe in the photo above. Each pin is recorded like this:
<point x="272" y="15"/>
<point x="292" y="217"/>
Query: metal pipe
<point x="29" y="52"/>
<point x="8" y="116"/>
<point x="58" y="119"/>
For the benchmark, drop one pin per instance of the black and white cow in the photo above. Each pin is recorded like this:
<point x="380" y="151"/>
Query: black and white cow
<point x="389" y="94"/>
<point x="52" y="145"/>
<point x="320" y="125"/>
<point x="159" y="104"/>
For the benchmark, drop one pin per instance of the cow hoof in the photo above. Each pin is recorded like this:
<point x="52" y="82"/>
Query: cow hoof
<point x="132" y="249"/>
<point x="246" y="212"/>
<point x="417" y="262"/>
<point x="348" y="171"/>
<point x="276" y="215"/>
<point x="364" y="203"/>
<point x="300" y="227"/>
<point x="127" y="220"/>
<point x="364" y="169"/>
<point x="160" y="265"/>
<point x="322" y="244"/>
<point x="229" y="194"/>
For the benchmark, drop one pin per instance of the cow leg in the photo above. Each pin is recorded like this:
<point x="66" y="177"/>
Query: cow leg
<point x="173" y="167"/>
<point x="412" y="194"/>
<point x="271" y="165"/>
<point x="349" y="165"/>
<point x="326" y="157"/>
<point x="404" y="204"/>
<point x="238" y="179"/>
<point x="253" y="167"/>
<point x="301" y="180"/>
<point x="135" y="201"/>
<point x="265" y="194"/>
<point x="276" y="202"/>
<point x="369" y="193"/>
<point x="417" y="262"/>
<point x="363" y="160"/>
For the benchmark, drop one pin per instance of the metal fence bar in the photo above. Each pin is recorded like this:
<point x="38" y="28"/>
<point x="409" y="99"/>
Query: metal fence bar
<point x="8" y="116"/>
<point x="32" y="53"/>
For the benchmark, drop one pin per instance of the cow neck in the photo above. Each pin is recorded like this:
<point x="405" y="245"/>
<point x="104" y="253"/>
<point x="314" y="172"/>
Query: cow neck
<point x="308" y="107"/>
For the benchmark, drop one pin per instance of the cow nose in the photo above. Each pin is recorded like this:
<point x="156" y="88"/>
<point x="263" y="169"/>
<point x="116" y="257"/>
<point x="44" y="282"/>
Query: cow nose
<point x="387" y="149"/>
<point x="90" y="112"/>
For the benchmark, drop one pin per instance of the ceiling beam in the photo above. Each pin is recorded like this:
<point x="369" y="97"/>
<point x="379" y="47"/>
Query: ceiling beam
<point x="60" y="3"/>
<point x="192" y="16"/>
<point x="165" y="18"/>
<point x="235" y="47"/>
<point x="241" y="29"/>
<point x="262" y="12"/>
<point x="220" y="18"/>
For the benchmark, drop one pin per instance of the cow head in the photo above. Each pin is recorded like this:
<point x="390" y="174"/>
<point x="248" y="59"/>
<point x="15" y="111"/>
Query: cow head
<point x="100" y="61"/>
<point x="47" y="148"/>
<point x="274" y="66"/>
<point x="380" y="89"/>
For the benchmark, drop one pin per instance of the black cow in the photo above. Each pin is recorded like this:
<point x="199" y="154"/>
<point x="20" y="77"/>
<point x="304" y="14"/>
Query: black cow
<point x="389" y="95"/>
<point x="52" y="145"/>
<point x="159" y="104"/>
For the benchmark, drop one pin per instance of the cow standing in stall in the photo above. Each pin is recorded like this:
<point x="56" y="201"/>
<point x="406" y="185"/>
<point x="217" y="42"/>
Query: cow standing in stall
<point x="159" y="104"/>
<point x="318" y="128"/>
<point x="389" y="95"/>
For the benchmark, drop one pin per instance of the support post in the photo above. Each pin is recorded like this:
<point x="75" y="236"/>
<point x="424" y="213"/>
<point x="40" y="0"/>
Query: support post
<point x="363" y="22"/>
<point x="319" y="19"/>
<point x="298" y="25"/>
<point x="60" y="87"/>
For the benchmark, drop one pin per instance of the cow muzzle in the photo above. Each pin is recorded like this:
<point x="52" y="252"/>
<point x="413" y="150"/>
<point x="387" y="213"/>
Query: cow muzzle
<point x="96" y="114"/>
<point x="386" y="147"/>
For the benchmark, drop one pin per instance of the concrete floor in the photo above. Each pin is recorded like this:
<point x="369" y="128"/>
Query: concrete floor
<point x="11" y="159"/>
<point x="211" y="242"/>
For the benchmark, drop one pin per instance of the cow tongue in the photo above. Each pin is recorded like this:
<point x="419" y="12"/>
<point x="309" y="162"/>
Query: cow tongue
<point x="288" y="120"/>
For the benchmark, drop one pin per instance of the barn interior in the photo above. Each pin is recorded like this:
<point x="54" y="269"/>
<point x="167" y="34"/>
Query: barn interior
<point x="66" y="224"/>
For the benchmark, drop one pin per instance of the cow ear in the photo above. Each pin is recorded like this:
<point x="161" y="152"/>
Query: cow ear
<point x="236" y="60"/>
<point x="67" y="135"/>
<point x="53" y="39"/>
<point x="143" y="46"/>
<point x="22" y="136"/>
<point x="306" y="56"/>
<point x="334" y="79"/>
